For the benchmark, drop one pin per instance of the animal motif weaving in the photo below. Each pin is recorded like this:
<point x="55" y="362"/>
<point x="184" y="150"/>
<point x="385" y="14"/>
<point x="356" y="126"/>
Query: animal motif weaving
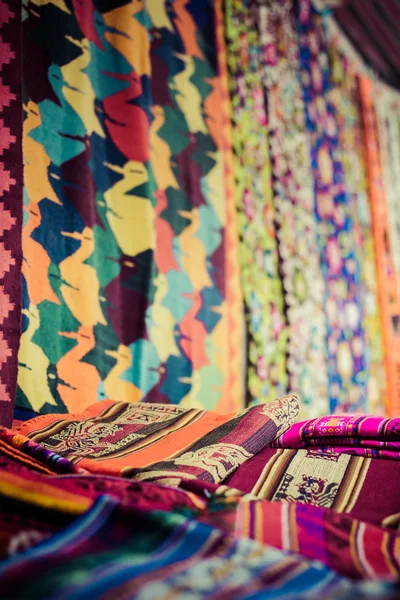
<point x="161" y="442"/>
<point x="130" y="275"/>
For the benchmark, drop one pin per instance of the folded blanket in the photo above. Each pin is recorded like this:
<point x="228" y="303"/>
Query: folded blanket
<point x="359" y="435"/>
<point x="351" y="547"/>
<point x="158" y="442"/>
<point x="123" y="550"/>
<point x="366" y="488"/>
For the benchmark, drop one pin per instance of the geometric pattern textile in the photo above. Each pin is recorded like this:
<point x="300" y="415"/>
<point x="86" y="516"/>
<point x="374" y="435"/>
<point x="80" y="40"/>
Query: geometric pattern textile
<point x="10" y="203"/>
<point x="162" y="443"/>
<point x="128" y="242"/>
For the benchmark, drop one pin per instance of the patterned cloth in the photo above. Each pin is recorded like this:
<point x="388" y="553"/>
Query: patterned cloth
<point x="116" y="552"/>
<point x="10" y="203"/>
<point x="366" y="488"/>
<point x="161" y="442"/>
<point x="295" y="207"/>
<point x="132" y="548"/>
<point x="346" y="340"/>
<point x="360" y="435"/>
<point x="130" y="276"/>
<point x="346" y="99"/>
<point x="262" y="287"/>
<point x="353" y="548"/>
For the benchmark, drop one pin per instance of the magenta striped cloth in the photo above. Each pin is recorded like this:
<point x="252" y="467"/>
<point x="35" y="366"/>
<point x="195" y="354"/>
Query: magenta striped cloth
<point x="361" y="435"/>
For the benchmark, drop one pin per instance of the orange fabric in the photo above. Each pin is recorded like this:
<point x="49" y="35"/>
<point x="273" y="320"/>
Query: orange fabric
<point x="163" y="444"/>
<point x="389" y="296"/>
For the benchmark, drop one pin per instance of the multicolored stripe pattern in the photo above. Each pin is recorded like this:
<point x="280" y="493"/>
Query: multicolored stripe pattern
<point x="159" y="442"/>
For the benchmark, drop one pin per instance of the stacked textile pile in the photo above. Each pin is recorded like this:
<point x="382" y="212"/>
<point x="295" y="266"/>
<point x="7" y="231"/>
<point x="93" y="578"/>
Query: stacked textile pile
<point x="156" y="501"/>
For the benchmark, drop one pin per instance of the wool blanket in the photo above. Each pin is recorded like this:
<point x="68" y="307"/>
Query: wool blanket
<point x="364" y="487"/>
<point x="34" y="506"/>
<point x="162" y="443"/>
<point x="124" y="548"/>
<point x="116" y="552"/>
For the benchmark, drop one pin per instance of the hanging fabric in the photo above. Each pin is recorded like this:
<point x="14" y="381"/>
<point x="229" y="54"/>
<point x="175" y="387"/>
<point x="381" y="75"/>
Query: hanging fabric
<point x="345" y="97"/>
<point x="295" y="206"/>
<point x="262" y="287"/>
<point x="130" y="274"/>
<point x="345" y="335"/>
<point x="388" y="277"/>
<point x="10" y="204"/>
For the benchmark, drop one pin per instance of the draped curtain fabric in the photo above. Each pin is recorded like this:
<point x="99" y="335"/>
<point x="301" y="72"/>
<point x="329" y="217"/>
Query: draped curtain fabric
<point x="259" y="261"/>
<point x="345" y="335"/>
<point x="293" y="191"/>
<point x="346" y="99"/>
<point x="388" y="276"/>
<point x="10" y="203"/>
<point x="130" y="272"/>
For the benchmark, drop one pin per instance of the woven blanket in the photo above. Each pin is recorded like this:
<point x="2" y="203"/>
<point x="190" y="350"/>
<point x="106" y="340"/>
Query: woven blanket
<point x="354" y="548"/>
<point x="161" y="443"/>
<point x="123" y="550"/>
<point x="33" y="506"/>
<point x="360" y="435"/>
<point x="366" y="488"/>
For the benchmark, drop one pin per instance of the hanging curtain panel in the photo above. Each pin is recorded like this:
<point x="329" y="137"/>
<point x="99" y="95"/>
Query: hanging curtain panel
<point x="130" y="272"/>
<point x="388" y="276"/>
<point x="10" y="204"/>
<point x="346" y="341"/>
<point x="387" y="110"/>
<point x="346" y="98"/>
<point x="293" y="191"/>
<point x="261" y="283"/>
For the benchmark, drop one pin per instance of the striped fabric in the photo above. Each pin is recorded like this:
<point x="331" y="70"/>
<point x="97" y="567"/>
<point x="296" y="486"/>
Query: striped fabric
<point x="361" y="435"/>
<point x="122" y="549"/>
<point x="160" y="442"/>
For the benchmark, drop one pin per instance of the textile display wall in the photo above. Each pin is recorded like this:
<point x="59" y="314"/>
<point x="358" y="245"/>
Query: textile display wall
<point x="130" y="273"/>
<point x="192" y="169"/>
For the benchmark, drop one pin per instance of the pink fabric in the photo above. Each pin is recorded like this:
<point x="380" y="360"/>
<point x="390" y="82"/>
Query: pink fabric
<point x="359" y="435"/>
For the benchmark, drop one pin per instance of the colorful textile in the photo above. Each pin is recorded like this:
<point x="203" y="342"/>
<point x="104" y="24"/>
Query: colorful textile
<point x="162" y="442"/>
<point x="294" y="204"/>
<point x="35" y="455"/>
<point x="10" y="204"/>
<point x="136" y="509"/>
<point x="353" y="548"/>
<point x="361" y="435"/>
<point x="345" y="336"/>
<point x="346" y="99"/>
<point x="358" y="550"/>
<point x="262" y="287"/>
<point x="114" y="552"/>
<point x="366" y="488"/>
<point x="389" y="283"/>
<point x="131" y="287"/>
